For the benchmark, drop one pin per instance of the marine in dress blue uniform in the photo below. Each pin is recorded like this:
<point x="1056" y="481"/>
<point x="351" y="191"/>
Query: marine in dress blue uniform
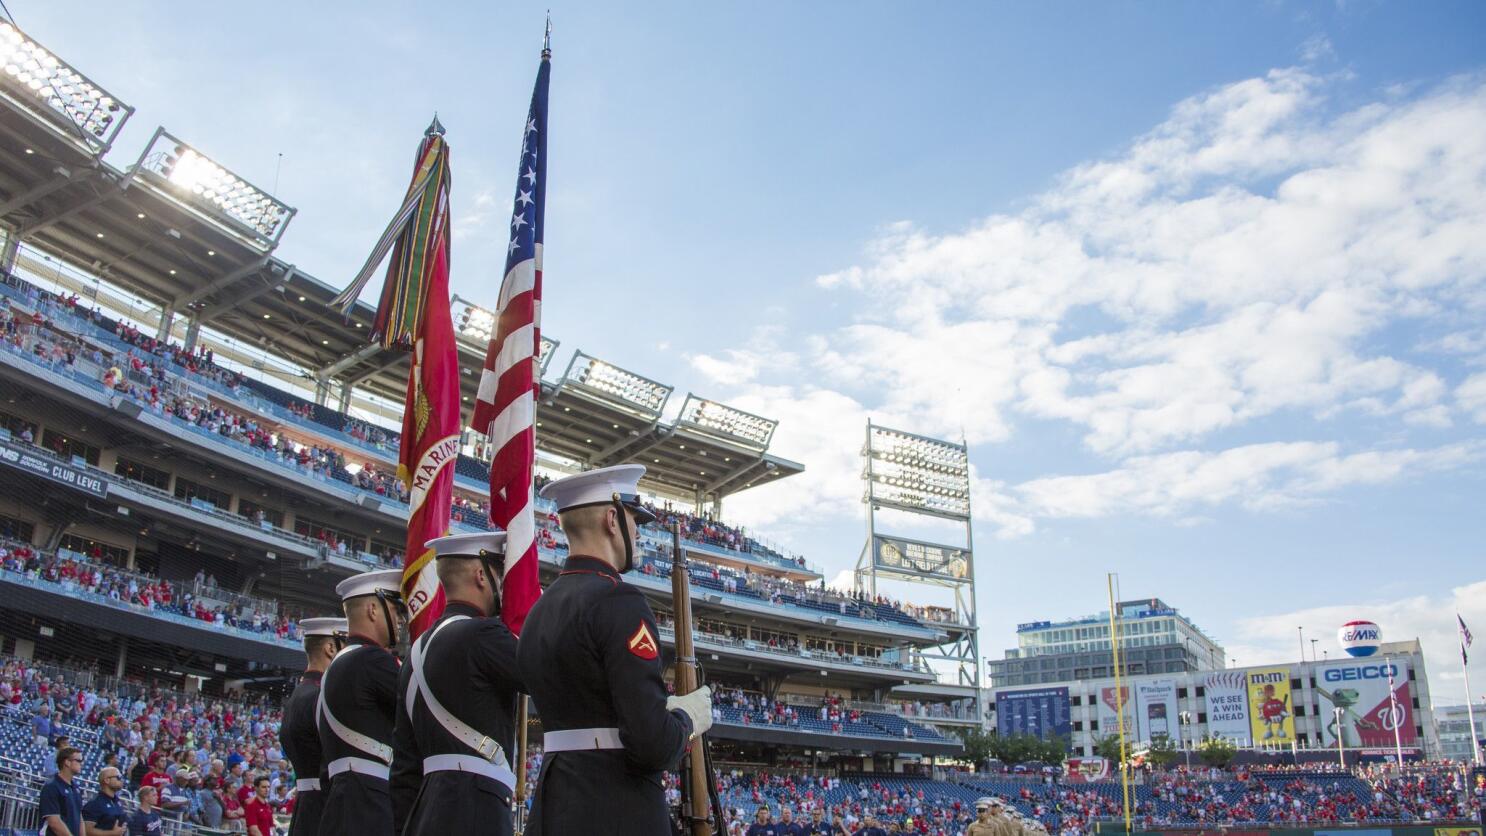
<point x="323" y="638"/>
<point x="358" y="701"/>
<point x="456" y="715"/>
<point x="589" y="655"/>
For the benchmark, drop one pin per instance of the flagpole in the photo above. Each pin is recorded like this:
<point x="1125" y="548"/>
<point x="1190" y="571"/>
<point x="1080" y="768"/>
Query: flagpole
<point x="1470" y="710"/>
<point x="1114" y="645"/>
<point x="1397" y="714"/>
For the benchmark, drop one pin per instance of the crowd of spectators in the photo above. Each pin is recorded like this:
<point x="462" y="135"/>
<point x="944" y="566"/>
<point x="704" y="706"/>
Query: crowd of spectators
<point x="74" y="572"/>
<point x="200" y="754"/>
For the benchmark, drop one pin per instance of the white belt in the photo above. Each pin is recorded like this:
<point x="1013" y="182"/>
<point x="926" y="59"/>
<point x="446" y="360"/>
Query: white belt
<point x="360" y="766"/>
<point x="497" y="772"/>
<point x="577" y="740"/>
<point x="307" y="785"/>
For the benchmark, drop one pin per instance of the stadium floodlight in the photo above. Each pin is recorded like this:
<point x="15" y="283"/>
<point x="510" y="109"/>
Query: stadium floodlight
<point x="735" y="423"/>
<point x="186" y="173"/>
<point x="616" y="383"/>
<point x="478" y="324"/>
<point x="918" y="473"/>
<point x="39" y="76"/>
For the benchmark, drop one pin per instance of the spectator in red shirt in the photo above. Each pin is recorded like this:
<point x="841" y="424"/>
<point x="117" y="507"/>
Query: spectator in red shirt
<point x="156" y="777"/>
<point x="258" y="813"/>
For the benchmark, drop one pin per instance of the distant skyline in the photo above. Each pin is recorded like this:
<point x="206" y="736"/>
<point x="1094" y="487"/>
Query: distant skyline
<point x="1201" y="284"/>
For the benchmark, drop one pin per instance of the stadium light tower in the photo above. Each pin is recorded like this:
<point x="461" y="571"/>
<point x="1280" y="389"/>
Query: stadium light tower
<point x="43" y="83"/>
<point x="189" y="176"/>
<point x="928" y="477"/>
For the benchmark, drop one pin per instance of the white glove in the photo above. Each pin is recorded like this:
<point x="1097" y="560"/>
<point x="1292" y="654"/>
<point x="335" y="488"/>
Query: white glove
<point x="697" y="705"/>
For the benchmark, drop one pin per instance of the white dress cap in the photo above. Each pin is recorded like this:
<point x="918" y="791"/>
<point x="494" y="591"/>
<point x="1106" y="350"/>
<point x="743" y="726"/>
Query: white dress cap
<point x="323" y="626"/>
<point x="367" y="583"/>
<point x="491" y="543"/>
<point x="594" y="486"/>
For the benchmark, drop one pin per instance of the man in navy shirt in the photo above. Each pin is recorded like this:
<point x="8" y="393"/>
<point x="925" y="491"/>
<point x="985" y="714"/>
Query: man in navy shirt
<point x="818" y="825"/>
<point x="761" y="825"/>
<point x="146" y="820"/>
<point x="61" y="805"/>
<point x="869" y="827"/>
<point x="787" y="825"/>
<point x="104" y="815"/>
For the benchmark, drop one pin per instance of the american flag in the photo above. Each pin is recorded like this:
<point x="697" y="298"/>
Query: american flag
<point x="1465" y="640"/>
<point x="505" y="408"/>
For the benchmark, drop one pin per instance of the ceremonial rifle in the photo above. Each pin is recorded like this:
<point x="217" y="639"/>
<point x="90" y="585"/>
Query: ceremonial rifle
<point x="700" y="811"/>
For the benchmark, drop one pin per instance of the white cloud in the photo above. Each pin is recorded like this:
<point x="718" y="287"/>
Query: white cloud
<point x="1317" y="48"/>
<point x="1260" y="477"/>
<point x="1471" y="395"/>
<point x="1429" y="618"/>
<point x="1237" y="262"/>
<point x="1242" y="265"/>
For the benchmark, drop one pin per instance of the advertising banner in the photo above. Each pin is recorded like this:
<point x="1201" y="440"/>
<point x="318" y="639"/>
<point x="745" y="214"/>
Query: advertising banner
<point x="1086" y="770"/>
<point x="1271" y="716"/>
<point x="912" y="557"/>
<point x="77" y="478"/>
<point x="1368" y="716"/>
<point x="1040" y="712"/>
<point x="1156" y="714"/>
<point x="1109" y="722"/>
<point x="1227" y="706"/>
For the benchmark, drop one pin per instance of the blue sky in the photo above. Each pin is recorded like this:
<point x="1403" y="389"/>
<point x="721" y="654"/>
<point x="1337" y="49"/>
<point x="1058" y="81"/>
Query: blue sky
<point x="1201" y="283"/>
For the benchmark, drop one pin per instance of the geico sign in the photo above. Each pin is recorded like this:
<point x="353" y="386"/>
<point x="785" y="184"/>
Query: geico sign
<point x="1361" y="672"/>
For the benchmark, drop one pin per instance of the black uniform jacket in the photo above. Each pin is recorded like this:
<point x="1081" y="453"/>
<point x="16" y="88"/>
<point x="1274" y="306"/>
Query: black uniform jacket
<point x="471" y="668"/>
<point x="301" y="742"/>
<point x="590" y="658"/>
<point x="361" y="691"/>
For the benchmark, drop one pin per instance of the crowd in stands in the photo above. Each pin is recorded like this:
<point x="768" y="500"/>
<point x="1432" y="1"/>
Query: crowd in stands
<point x="74" y="572"/>
<point x="201" y="754"/>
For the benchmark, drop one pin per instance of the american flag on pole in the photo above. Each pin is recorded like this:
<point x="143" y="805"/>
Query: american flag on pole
<point x="505" y="407"/>
<point x="1465" y="639"/>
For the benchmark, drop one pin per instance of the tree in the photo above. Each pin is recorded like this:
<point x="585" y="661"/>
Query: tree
<point x="980" y="746"/>
<point x="1108" y="748"/>
<point x="1162" y="752"/>
<point x="1216" y="751"/>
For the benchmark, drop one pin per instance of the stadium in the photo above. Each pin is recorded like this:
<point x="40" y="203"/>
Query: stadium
<point x="197" y="447"/>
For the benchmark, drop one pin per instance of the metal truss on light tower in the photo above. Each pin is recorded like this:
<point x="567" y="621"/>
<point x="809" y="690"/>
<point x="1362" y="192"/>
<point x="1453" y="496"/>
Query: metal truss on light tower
<point x="916" y="474"/>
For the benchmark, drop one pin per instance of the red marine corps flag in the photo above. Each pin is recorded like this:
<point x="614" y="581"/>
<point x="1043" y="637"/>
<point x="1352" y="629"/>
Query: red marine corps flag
<point x="505" y="408"/>
<point x="414" y="313"/>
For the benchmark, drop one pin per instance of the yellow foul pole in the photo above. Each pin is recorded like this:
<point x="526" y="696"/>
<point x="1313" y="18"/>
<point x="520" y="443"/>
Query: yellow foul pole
<point x="1114" y="644"/>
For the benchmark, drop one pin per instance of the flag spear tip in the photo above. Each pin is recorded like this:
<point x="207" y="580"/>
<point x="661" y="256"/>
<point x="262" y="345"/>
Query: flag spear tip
<point x="435" y="128"/>
<point x="547" y="37"/>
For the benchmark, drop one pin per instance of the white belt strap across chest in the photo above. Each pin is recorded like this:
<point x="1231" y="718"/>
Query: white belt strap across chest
<point x="349" y="736"/>
<point x="487" y="748"/>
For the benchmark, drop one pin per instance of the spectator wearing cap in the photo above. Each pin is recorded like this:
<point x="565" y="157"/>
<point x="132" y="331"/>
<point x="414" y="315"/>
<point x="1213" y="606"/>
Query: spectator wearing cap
<point x="61" y="805"/>
<point x="175" y="799"/>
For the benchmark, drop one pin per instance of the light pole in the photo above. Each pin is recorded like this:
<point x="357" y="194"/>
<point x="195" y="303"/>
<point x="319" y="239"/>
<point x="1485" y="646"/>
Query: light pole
<point x="1341" y="755"/>
<point x="1313" y="649"/>
<point x="1186" y="726"/>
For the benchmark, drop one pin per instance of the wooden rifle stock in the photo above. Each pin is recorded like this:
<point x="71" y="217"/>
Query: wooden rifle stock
<point x="697" y="778"/>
